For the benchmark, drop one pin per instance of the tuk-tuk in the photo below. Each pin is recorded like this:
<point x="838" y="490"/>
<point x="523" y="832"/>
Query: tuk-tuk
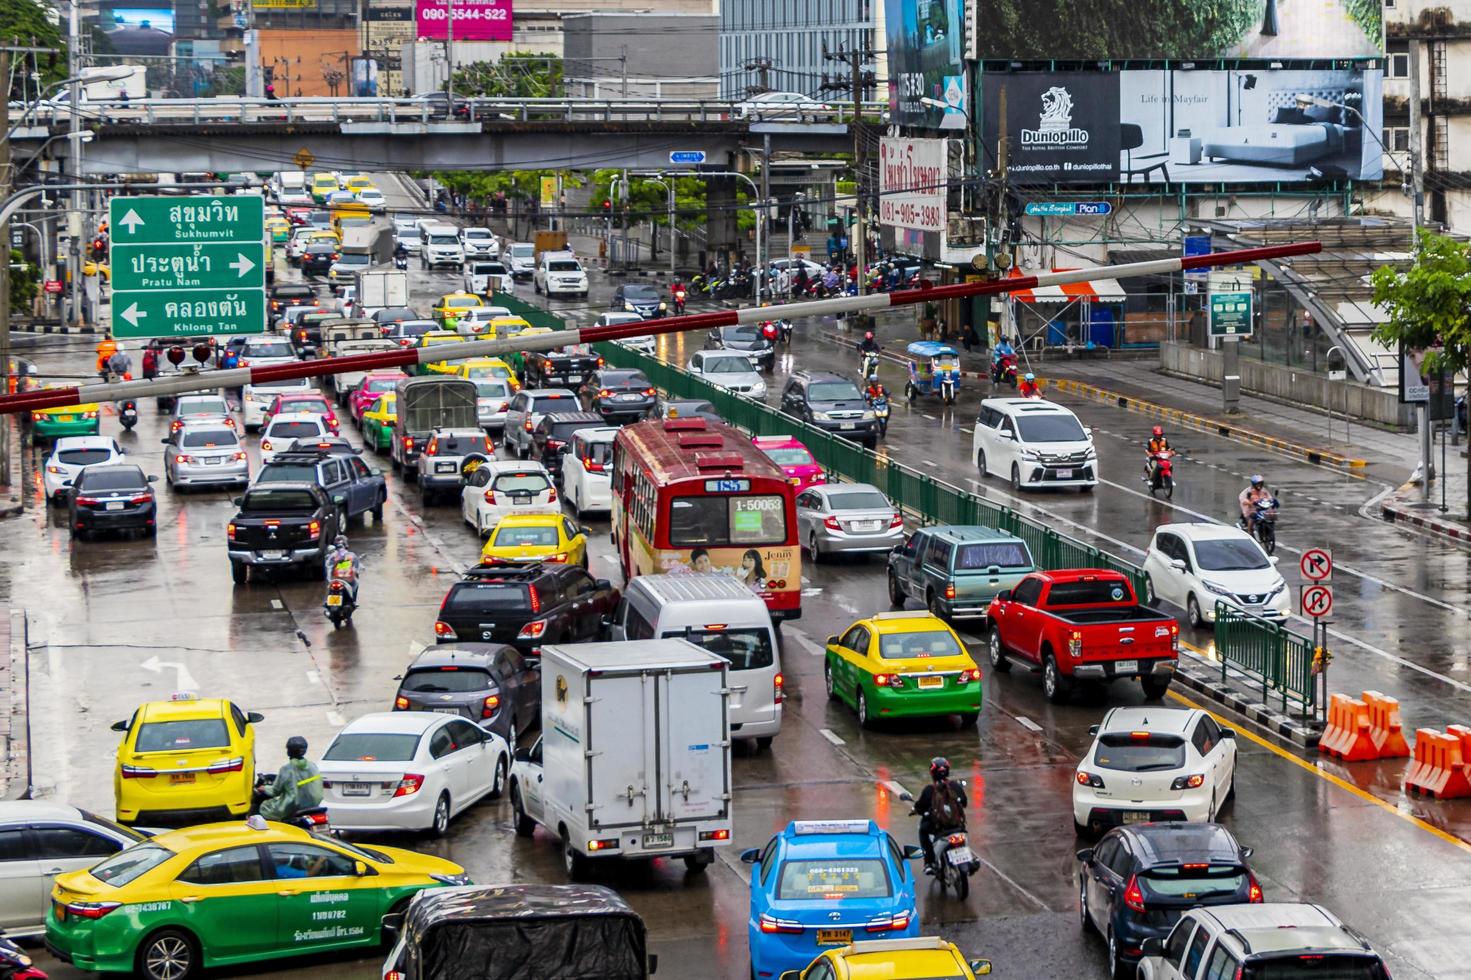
<point x="934" y="369"/>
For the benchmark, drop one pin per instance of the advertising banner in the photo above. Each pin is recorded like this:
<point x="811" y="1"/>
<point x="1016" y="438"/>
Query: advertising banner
<point x="475" y="20"/>
<point x="925" y="41"/>
<point x="912" y="186"/>
<point x="1185" y="126"/>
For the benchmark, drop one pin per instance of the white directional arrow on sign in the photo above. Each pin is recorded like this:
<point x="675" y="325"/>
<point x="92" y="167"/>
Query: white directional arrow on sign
<point x="130" y="220"/>
<point x="132" y="314"/>
<point x="242" y="265"/>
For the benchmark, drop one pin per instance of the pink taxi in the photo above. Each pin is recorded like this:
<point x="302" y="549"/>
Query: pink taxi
<point x="374" y="383"/>
<point x="794" y="459"/>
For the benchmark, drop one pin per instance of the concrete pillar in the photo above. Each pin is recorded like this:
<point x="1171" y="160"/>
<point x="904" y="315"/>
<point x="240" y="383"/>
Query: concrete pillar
<point x="720" y="216"/>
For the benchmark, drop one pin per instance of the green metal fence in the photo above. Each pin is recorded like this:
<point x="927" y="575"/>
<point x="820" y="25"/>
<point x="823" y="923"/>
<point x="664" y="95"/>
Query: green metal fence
<point x="1277" y="657"/>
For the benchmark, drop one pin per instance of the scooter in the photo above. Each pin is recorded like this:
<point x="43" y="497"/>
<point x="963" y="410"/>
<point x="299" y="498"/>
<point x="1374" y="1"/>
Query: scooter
<point x="1263" y="524"/>
<point x="15" y="964"/>
<point x="954" y="860"/>
<point x="400" y="262"/>
<point x="1160" y="473"/>
<point x="880" y="405"/>
<point x="785" y="326"/>
<point x="312" y="819"/>
<point x="947" y="389"/>
<point x="1004" y="371"/>
<point x="679" y="302"/>
<point x="127" y="413"/>
<point x="870" y="365"/>
<point x="339" y="604"/>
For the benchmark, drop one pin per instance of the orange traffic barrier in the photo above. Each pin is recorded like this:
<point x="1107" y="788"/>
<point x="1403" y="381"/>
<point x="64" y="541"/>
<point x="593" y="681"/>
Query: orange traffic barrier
<point x="1439" y="769"/>
<point x="1346" y="735"/>
<point x="1385" y="730"/>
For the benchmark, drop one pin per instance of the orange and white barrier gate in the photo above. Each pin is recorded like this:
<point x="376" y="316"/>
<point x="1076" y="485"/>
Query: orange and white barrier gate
<point x="1364" y="728"/>
<point x="1439" y="769"/>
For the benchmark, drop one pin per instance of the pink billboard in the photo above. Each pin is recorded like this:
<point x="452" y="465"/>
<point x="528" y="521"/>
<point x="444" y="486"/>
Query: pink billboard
<point x="475" y="20"/>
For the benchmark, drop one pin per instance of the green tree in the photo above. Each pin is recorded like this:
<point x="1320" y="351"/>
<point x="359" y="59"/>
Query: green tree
<point x="26" y="22"/>
<point x="648" y="200"/>
<point x="517" y="75"/>
<point x="1429" y="307"/>
<point x="25" y="279"/>
<point x="515" y="184"/>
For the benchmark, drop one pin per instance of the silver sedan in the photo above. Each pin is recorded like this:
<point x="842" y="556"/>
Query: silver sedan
<point x="840" y="518"/>
<point x="205" y="452"/>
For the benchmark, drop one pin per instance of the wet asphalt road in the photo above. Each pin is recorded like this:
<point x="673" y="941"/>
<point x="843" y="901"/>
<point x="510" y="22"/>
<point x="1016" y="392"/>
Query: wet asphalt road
<point x="1322" y="832"/>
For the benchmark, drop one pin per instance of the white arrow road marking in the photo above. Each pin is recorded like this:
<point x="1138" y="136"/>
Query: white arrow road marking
<point x="242" y="265"/>
<point x="186" y="679"/>
<point x="132" y="314"/>
<point x="804" y="641"/>
<point x="131" y="220"/>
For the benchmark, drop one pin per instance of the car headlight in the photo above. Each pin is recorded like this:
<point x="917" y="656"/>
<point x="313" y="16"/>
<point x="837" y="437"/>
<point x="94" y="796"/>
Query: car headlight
<point x="1218" y="590"/>
<point x="629" y="307"/>
<point x="1031" y="454"/>
<point x="1281" y="584"/>
<point x="663" y="306"/>
<point x="868" y="416"/>
<point x="459" y="879"/>
<point x="820" y="416"/>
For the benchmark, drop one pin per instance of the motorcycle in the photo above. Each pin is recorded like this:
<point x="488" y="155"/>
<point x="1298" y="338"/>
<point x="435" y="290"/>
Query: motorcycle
<point x="679" y="302"/>
<point x="400" y="262"/>
<point x="954" y="860"/>
<point x="127" y="413"/>
<point x="1263" y="524"/>
<point x="1004" y="370"/>
<point x="870" y="365"/>
<point x="15" y="964"/>
<point x="879" y="402"/>
<point x="1160" y="473"/>
<point x="339" y="604"/>
<point x="785" y="326"/>
<point x="312" y="819"/>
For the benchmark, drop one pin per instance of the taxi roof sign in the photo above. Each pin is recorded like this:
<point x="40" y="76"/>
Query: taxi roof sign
<point x="832" y="826"/>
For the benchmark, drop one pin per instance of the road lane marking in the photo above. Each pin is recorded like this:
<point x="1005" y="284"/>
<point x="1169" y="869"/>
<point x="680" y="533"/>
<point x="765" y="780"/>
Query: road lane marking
<point x="313" y="677"/>
<point x="827" y="733"/>
<point x="1011" y="881"/>
<point x="277" y="604"/>
<point x="804" y="641"/>
<point x="334" y="719"/>
<point x="1027" y="723"/>
<point x="609" y="558"/>
<point x="846" y="606"/>
<point x="1341" y="783"/>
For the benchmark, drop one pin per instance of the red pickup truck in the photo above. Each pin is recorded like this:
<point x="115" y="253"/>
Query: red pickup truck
<point x="1085" y="624"/>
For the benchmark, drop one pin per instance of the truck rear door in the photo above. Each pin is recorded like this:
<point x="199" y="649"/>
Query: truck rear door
<point x="693" y="745"/>
<point x="622" y="785"/>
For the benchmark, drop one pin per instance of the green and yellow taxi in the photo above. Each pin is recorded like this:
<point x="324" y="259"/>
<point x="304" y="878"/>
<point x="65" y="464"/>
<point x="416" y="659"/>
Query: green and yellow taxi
<point x="536" y="537"/>
<point x="438" y="338"/>
<point x="224" y="893"/>
<point x="508" y="326"/>
<point x="448" y="307"/>
<point x="379" y="420"/>
<point x="517" y="359"/>
<point x="921" y="958"/>
<point x="907" y="664"/>
<point x="323" y="185"/>
<point x="184" y="760"/>
<point x="68" y="420"/>
<point x="279" y="229"/>
<point x="488" y="367"/>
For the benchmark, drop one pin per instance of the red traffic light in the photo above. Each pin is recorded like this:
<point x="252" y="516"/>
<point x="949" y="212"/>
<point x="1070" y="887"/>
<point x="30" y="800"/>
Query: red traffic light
<point x="202" y="352"/>
<point x="176" y="355"/>
<point x="607" y="204"/>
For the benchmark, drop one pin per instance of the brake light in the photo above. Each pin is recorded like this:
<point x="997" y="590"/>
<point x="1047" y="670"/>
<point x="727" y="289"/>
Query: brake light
<point x="552" y="496"/>
<point x="1090" y="779"/>
<point x="956" y="840"/>
<point x="1133" y="895"/>
<point x="528" y="425"/>
<point x="559" y="559"/>
<point x="137" y="772"/>
<point x="1194" y="781"/>
<point x="227" y="765"/>
<point x="444" y="630"/>
<point x="896" y="923"/>
<point x="897" y="520"/>
<point x="490" y="496"/>
<point x="88" y="501"/>
<point x="649" y="391"/>
<point x="721" y="834"/>
<point x="37" y="416"/>
<point x="532" y="630"/>
<point x="408" y="443"/>
<point x="230" y="531"/>
<point x="400" y="703"/>
<point x="265" y="444"/>
<point x="140" y="498"/>
<point x="433" y="448"/>
<point x="183" y="459"/>
<point x="1075" y="644"/>
<point x="535" y="599"/>
<point x="605" y="393"/>
<point x="950" y="590"/>
<point x="888" y="680"/>
<point x="492" y="705"/>
<point x="831" y="522"/>
<point x="409" y="785"/>
<point x="602" y="844"/>
<point x="778" y="689"/>
<point x="591" y="465"/>
<point x="238" y="457"/>
<point x="90" y="910"/>
<point x="966" y="676"/>
<point x="771" y="924"/>
<point x="1254" y="890"/>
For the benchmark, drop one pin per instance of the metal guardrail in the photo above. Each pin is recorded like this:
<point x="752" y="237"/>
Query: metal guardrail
<point x="1277" y="657"/>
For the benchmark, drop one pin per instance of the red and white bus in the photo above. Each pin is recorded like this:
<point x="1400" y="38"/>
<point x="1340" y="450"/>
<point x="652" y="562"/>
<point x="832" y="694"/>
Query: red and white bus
<point x="692" y="495"/>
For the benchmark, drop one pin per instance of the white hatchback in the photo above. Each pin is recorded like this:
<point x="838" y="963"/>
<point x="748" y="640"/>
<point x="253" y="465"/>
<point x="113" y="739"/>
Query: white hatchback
<point x="502" y="487"/>
<point x="72" y="454"/>
<point x="1195" y="566"/>
<point x="587" y="469"/>
<point x="1154" y="763"/>
<point x="287" y="427"/>
<point x="1034" y="443"/>
<point x="410" y="770"/>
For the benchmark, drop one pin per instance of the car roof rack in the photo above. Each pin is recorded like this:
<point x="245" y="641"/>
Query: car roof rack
<point x="508" y="569"/>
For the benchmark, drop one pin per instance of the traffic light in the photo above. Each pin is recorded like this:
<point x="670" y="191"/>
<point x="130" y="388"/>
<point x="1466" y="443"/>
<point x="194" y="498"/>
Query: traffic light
<point x="607" y="205"/>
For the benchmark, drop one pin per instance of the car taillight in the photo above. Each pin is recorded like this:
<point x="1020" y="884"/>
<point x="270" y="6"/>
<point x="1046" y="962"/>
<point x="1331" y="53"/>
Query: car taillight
<point x="552" y="496"/>
<point x="505" y="407"/>
<point x="227" y="765"/>
<point x="778" y="689"/>
<point x="90" y="910"/>
<point x="88" y="501"/>
<point x="528" y="425"/>
<point x="898" y="922"/>
<point x="490" y="496"/>
<point x="832" y="522"/>
<point x="532" y="630"/>
<point x="238" y="457"/>
<point x="230" y="531"/>
<point x="1075" y="643"/>
<point x="444" y="630"/>
<point x="1254" y="890"/>
<point x="89" y="415"/>
<point x="140" y="498"/>
<point x="535" y="598"/>
<point x="1090" y="779"/>
<point x="722" y="834"/>
<point x="137" y="772"/>
<point x="649" y="392"/>
<point x="265" y="444"/>
<point x="492" y="705"/>
<point x="966" y="676"/>
<point x="409" y="785"/>
<point x="183" y="459"/>
<point x="591" y="465"/>
<point x="314" y="528"/>
<point x="888" y="680"/>
<point x="771" y="924"/>
<point x="605" y="393"/>
<point x="408" y="443"/>
<point x="57" y="470"/>
<point x="950" y="590"/>
<point x="37" y="416"/>
<point x="175" y="425"/>
<point x="1193" y="781"/>
<point x="433" y="448"/>
<point x="558" y="559"/>
<point x="400" y="703"/>
<point x="896" y="521"/>
<point x="1133" y="895"/>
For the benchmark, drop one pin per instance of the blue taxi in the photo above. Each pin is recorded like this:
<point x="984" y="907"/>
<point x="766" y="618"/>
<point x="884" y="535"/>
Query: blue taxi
<point x="821" y="884"/>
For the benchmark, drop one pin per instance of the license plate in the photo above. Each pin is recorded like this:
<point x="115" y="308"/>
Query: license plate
<point x="658" y="840"/>
<point x="181" y="777"/>
<point x="114" y="505"/>
<point x="334" y="600"/>
<point x="445" y="467"/>
<point x="355" y="789"/>
<point x="1136" y="816"/>
<point x="845" y="425"/>
<point x="867" y="525"/>
<point x="275" y="555"/>
<point x="629" y="398"/>
<point x="213" y="462"/>
<point x="834" y="937"/>
<point x="1064" y="474"/>
<point x="1125" y="666"/>
<point x="932" y="682"/>
<point x="959" y="855"/>
<point x="65" y="418"/>
<point x="573" y="378"/>
<point x="446" y="711"/>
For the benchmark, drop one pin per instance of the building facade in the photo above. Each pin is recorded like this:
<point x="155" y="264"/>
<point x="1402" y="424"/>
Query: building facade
<point x="777" y="45"/>
<point x="615" y="55"/>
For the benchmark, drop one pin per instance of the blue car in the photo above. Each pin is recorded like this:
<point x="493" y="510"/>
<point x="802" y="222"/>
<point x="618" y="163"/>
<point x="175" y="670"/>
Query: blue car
<point x="826" y="883"/>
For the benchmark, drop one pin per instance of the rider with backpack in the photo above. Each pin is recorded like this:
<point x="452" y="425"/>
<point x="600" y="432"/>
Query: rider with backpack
<point x="941" y="808"/>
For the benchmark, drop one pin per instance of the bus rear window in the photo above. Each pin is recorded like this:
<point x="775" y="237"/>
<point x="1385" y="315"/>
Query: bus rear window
<point x="727" y="521"/>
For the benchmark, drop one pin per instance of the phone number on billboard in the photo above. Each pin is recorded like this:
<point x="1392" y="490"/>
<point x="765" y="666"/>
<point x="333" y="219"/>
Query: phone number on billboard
<point x="910" y="215"/>
<point x="467" y="13"/>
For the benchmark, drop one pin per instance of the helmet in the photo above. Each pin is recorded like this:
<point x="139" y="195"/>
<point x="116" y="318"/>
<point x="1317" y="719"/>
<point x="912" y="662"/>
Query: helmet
<point x="1159" y="430"/>
<point x="296" y="748"/>
<point x="340" y="541"/>
<point x="1030" y="376"/>
<point x="1257" y="480"/>
<point x="939" y="768"/>
<point x="868" y="336"/>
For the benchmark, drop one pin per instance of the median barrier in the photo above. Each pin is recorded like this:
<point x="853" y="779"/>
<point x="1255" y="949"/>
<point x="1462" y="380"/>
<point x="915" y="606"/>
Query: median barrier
<point x="1385" y="729"/>
<point x="1439" y="769"/>
<point x="1347" y="736"/>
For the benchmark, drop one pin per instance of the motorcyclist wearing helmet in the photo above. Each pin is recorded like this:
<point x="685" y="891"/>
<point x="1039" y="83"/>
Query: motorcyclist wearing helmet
<point x="941" y="808"/>
<point x="1250" y="497"/>
<point x="298" y="785"/>
<point x="342" y="565"/>
<point x="1028" y="387"/>
<point x="868" y="345"/>
<point x="1157" y="444"/>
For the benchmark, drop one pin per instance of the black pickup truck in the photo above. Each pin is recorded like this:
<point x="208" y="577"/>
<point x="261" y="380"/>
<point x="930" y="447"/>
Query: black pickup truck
<point x="282" y="525"/>
<point x="567" y="367"/>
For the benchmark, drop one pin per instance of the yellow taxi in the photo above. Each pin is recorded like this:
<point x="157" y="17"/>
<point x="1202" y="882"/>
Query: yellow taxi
<point x="91" y="268"/>
<point x="278" y="228"/>
<point x="447" y="308"/>
<point x="508" y="326"/>
<point x="488" y="367"/>
<point x="226" y="893"/>
<point x="536" y="537"/>
<point x="922" y="958"/>
<point x="379" y="420"/>
<point x="436" y="338"/>
<point x="906" y="664"/>
<point x="358" y="183"/>
<point x="323" y="185"/>
<point x="68" y="420"/>
<point x="186" y="759"/>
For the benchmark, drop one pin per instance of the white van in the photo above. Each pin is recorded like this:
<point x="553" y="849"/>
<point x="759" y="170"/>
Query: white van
<point x="1034" y="443"/>
<point x="560" y="274"/>
<point x="728" y="619"/>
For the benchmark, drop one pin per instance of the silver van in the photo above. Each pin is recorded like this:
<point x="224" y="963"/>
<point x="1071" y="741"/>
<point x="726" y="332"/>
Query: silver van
<point x="726" y="618"/>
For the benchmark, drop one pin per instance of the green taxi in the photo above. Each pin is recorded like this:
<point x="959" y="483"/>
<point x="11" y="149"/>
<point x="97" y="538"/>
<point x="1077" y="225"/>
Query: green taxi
<point x="224" y="893"/>
<point x="70" y="420"/>
<point x="379" y="420"/>
<point x="906" y="664"/>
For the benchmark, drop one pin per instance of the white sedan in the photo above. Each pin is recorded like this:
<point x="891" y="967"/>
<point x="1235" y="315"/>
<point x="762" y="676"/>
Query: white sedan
<point x="410" y="770"/>
<point x="502" y="487"/>
<point x="1195" y="566"/>
<point x="731" y="370"/>
<point x="72" y="454"/>
<point x="786" y="106"/>
<point x="1154" y="763"/>
<point x="373" y="198"/>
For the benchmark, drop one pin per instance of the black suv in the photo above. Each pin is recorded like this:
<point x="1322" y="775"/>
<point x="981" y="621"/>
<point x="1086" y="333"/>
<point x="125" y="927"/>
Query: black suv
<point x="831" y="402"/>
<point x="348" y="477"/>
<point x="619" y="395"/>
<point x="553" y="434"/>
<point x="1137" y="881"/>
<point x="282" y="526"/>
<point x="526" y="605"/>
<point x="291" y="294"/>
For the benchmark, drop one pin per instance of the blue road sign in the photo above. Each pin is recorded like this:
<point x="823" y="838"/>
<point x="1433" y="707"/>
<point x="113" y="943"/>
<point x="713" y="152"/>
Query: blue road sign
<point x="687" y="156"/>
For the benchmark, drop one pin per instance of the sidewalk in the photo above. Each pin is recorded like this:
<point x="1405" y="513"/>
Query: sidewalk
<point x="15" y="728"/>
<point x="1405" y="504"/>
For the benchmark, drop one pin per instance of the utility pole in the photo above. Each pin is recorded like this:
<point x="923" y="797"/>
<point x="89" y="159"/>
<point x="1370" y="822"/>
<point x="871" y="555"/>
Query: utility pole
<point x="74" y="222"/>
<point x="449" y="58"/>
<point x="857" y="78"/>
<point x="1417" y="191"/>
<point x="5" y="181"/>
<point x="623" y="67"/>
<point x="762" y="66"/>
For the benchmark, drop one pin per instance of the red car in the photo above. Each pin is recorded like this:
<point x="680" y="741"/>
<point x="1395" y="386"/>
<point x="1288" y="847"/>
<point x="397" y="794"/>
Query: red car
<point x="1082" y="625"/>
<point x="307" y="401"/>
<point x="374" y="383"/>
<point x="794" y="459"/>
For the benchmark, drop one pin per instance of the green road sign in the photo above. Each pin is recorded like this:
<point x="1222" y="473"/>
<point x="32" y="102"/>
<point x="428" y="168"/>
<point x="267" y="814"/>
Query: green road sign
<point x="1230" y="314"/>
<point x="187" y="312"/>
<point x="196" y="266"/>
<point x="185" y="266"/>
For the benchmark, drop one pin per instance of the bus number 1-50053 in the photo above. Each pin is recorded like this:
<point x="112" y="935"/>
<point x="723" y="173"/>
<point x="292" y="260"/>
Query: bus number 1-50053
<point x="759" y="503"/>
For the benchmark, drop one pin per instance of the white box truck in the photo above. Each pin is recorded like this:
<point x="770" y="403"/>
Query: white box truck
<point x="381" y="290"/>
<point x="634" y="757"/>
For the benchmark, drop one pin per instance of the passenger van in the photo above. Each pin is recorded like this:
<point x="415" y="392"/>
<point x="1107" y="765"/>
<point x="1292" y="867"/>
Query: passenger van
<point x="727" y="618"/>
<point x="1034" y="443"/>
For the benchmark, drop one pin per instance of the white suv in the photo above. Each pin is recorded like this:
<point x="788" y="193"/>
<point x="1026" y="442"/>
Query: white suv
<point x="560" y="274"/>
<point x="441" y="247"/>
<point x="480" y="243"/>
<point x="1260" y="941"/>
<point x="1154" y="763"/>
<point x="1034" y="443"/>
<point x="1195" y="566"/>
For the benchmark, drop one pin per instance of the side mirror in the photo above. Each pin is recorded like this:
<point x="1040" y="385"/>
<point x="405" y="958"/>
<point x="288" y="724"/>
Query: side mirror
<point x="584" y="529"/>
<point x="603" y="583"/>
<point x="1086" y="855"/>
<point x="751" y="855"/>
<point x="1178" y="564"/>
<point x="237" y="500"/>
<point x="163" y="442"/>
<point x="1092" y="729"/>
<point x="1274" y="559"/>
<point x="1247" y="852"/>
<point x="392" y="922"/>
<point x="981" y="968"/>
<point x="255" y="717"/>
<point x="1004" y="595"/>
<point x="1153" y="946"/>
<point x="153" y="479"/>
<point x="522" y="755"/>
<point x="832" y="641"/>
<point x="1228" y="733"/>
<point x="66" y="483"/>
<point x="120" y="726"/>
<point x="912" y="851"/>
<point x="790" y="975"/>
<point x="360" y="869"/>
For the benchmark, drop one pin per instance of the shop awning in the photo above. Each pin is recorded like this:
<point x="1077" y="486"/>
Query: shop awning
<point x="1098" y="291"/>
